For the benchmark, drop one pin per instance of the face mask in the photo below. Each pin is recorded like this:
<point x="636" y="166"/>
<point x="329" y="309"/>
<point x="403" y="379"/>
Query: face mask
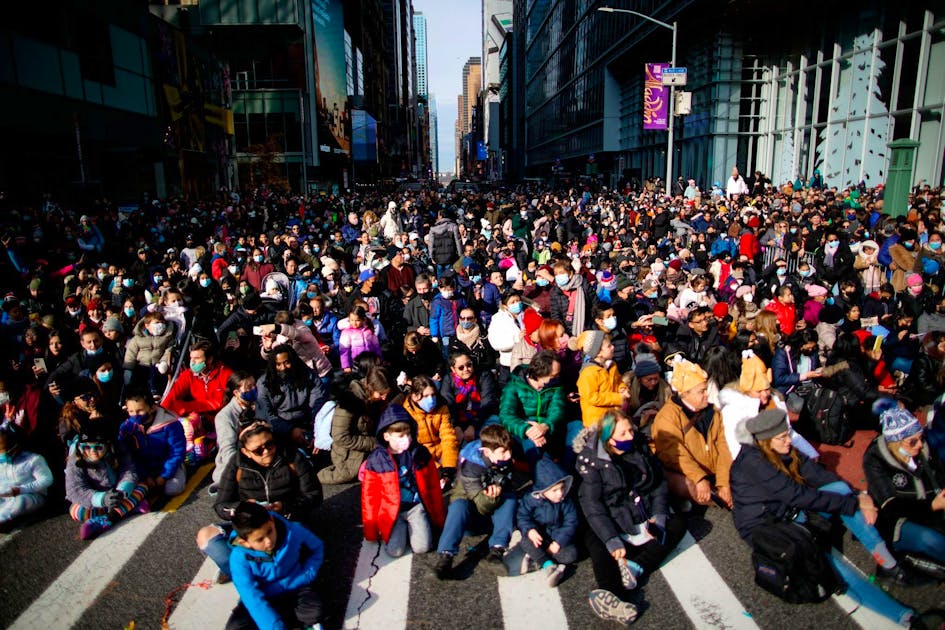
<point x="105" y="377"/>
<point x="101" y="275"/>
<point x="833" y="246"/>
<point x="399" y="443"/>
<point x="909" y="245"/>
<point x="467" y="325"/>
<point x="197" y="368"/>
<point x="561" y="279"/>
<point x="94" y="353"/>
<point x="524" y="213"/>
<point x="610" y="323"/>
<point x="129" y="312"/>
<point x="4" y="398"/>
<point x="935" y="245"/>
<point x="475" y="279"/>
<point x="446" y="294"/>
<point x="793" y="230"/>
<point x="487" y="234"/>
<point x="542" y="282"/>
<point x="127" y="282"/>
<point x="622" y="445"/>
<point x="257" y="259"/>
<point x="205" y="282"/>
<point x="904" y="453"/>
<point x="74" y="312"/>
<point x="516" y="308"/>
<point x="428" y="403"/>
<point x="233" y="269"/>
<point x="249" y="396"/>
<point x="915" y="290"/>
<point x="406" y="257"/>
<point x="855" y="248"/>
<point x="806" y="273"/>
<point x="308" y="321"/>
<point x="782" y="271"/>
<point x="158" y="279"/>
<point x="310" y="294"/>
<point x="5" y="458"/>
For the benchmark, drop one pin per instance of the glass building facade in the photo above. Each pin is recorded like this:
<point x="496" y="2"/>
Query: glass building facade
<point x="780" y="89"/>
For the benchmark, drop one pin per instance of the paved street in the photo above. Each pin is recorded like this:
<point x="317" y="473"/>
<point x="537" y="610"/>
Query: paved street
<point x="53" y="580"/>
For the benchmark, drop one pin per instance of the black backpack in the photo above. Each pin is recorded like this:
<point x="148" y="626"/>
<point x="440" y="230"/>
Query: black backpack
<point x="791" y="562"/>
<point x="827" y="422"/>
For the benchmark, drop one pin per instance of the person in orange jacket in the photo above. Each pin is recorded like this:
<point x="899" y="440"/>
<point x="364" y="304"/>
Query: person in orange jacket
<point x="434" y="427"/>
<point x="201" y="388"/>
<point x="401" y="500"/>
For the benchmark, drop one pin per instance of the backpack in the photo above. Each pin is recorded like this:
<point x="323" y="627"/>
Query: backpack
<point x="791" y="562"/>
<point x="828" y="424"/>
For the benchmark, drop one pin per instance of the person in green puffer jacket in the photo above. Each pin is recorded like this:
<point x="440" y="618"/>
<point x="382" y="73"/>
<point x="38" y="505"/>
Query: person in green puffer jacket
<point x="533" y="407"/>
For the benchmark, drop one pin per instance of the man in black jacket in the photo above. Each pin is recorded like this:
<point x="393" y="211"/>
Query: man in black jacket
<point x="695" y="338"/>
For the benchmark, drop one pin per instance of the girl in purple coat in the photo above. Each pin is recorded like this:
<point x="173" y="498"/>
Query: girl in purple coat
<point x="358" y="337"/>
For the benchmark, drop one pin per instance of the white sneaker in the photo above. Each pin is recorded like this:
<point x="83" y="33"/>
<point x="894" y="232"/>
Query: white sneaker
<point x="609" y="607"/>
<point x="627" y="577"/>
<point x="554" y="574"/>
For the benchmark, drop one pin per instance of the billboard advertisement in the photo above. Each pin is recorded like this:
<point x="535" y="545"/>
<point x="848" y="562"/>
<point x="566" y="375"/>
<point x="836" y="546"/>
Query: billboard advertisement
<point x="363" y="136"/>
<point x="331" y="76"/>
<point x="655" y="97"/>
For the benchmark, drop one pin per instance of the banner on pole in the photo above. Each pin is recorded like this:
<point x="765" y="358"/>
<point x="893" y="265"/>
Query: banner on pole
<point x="655" y="97"/>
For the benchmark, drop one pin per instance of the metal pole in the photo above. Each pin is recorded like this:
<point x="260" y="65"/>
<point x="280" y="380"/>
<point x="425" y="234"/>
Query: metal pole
<point x="671" y="121"/>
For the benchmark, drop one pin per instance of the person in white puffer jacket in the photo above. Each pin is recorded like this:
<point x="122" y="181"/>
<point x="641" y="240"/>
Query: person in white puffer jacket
<point x="24" y="477"/>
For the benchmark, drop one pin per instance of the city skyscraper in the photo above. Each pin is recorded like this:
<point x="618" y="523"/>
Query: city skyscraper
<point x="420" y="40"/>
<point x="434" y="140"/>
<point x="471" y="85"/>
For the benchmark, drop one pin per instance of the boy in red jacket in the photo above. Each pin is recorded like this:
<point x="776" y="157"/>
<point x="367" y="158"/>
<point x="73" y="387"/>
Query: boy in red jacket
<point x="401" y="498"/>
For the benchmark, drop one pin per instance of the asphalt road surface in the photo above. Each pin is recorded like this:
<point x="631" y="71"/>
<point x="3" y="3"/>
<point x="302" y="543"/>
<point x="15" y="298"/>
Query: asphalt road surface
<point x="149" y="567"/>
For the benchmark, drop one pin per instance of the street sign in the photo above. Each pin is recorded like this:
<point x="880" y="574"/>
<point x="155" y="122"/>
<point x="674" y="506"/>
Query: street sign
<point x="674" y="76"/>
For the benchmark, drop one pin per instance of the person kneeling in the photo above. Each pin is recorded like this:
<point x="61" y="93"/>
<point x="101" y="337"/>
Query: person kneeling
<point x="274" y="563"/>
<point x="400" y="493"/>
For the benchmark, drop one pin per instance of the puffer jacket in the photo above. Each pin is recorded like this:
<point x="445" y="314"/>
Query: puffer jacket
<point x="504" y="333"/>
<point x="682" y="448"/>
<point x="289" y="479"/>
<point x="922" y="386"/>
<point x="145" y="349"/>
<point x="258" y="575"/>
<point x="613" y="503"/>
<point x="87" y="483"/>
<point x="599" y="388"/>
<point x="522" y="403"/>
<point x="380" y="488"/>
<point x="559" y="521"/>
<point x="288" y="406"/>
<point x="160" y="451"/>
<point x="434" y="430"/>
<point x="760" y="491"/>
<point x="900" y="493"/>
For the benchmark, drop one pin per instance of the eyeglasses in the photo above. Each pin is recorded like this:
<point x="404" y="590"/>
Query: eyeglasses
<point x="268" y="445"/>
<point x="784" y="437"/>
<point x="464" y="366"/>
<point x="914" y="441"/>
<point x="467" y="319"/>
<point x="92" y="446"/>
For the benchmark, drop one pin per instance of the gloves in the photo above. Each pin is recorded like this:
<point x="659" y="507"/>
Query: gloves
<point x="162" y="367"/>
<point x="113" y="499"/>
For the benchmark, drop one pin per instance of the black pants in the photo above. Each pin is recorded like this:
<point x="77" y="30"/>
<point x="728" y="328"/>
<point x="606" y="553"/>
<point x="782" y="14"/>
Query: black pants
<point x="566" y="555"/>
<point x="649" y="556"/>
<point x="303" y="606"/>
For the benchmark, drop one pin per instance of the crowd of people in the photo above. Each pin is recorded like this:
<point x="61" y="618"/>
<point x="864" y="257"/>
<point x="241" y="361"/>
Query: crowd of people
<point x="592" y="369"/>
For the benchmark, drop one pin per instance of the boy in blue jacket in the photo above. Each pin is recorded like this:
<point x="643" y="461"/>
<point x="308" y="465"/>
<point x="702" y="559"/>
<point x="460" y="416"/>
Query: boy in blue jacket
<point x="155" y="439"/>
<point x="273" y="564"/>
<point x="444" y="313"/>
<point x="548" y="521"/>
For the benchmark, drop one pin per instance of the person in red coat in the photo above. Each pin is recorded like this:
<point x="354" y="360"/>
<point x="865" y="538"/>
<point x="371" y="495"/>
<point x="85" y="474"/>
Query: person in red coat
<point x="201" y="388"/>
<point x="401" y="500"/>
<point x="748" y="242"/>
<point x="783" y="307"/>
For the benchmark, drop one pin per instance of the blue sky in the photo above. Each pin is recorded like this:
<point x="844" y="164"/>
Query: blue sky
<point x="454" y="34"/>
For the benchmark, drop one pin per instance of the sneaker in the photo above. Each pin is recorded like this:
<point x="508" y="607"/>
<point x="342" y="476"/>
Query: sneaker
<point x="223" y="578"/>
<point x="609" y="607"/>
<point x="143" y="507"/>
<point x="495" y="561"/>
<point x="554" y="574"/>
<point x="900" y="576"/>
<point x="528" y="565"/>
<point x="443" y="566"/>
<point x="627" y="578"/>
<point x="93" y="527"/>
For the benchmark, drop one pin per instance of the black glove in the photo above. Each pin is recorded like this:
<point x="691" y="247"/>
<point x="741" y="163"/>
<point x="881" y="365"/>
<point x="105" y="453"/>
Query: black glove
<point x="113" y="499"/>
<point x="447" y="473"/>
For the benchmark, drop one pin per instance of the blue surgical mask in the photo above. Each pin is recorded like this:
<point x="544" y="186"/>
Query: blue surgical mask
<point x="205" y="282"/>
<point x="467" y="325"/>
<point x="257" y="259"/>
<point x="935" y="245"/>
<point x="542" y="282"/>
<point x="516" y="307"/>
<point x="94" y="353"/>
<point x="428" y="403"/>
<point x="129" y="312"/>
<point x="622" y="445"/>
<point x="833" y="245"/>
<point x="127" y="282"/>
<point x="310" y="294"/>
<point x="829" y="301"/>
<point x="308" y="321"/>
<point x="782" y="271"/>
<point x="475" y="279"/>
<point x="446" y="294"/>
<point x="105" y="377"/>
<point x="158" y="279"/>
<point x="562" y="279"/>
<point x="610" y="323"/>
<point x="197" y="368"/>
<point x="249" y="396"/>
<point x="806" y="273"/>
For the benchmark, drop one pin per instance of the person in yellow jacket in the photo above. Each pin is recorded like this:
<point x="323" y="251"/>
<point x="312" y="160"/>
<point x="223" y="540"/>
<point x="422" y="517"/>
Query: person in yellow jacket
<point x="599" y="384"/>
<point x="689" y="439"/>
<point x="434" y="428"/>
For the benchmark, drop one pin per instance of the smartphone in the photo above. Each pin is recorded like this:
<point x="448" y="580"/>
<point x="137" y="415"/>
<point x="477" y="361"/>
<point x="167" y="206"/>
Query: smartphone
<point x="40" y="363"/>
<point x="660" y="321"/>
<point x="258" y="331"/>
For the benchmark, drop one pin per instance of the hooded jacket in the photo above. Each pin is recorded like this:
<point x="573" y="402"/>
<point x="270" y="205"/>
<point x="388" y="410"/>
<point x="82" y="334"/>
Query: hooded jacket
<point x="558" y="520"/>
<point x="258" y="575"/>
<point x="87" y="482"/>
<point x="522" y="403"/>
<point x="434" y="430"/>
<point x="682" y="448"/>
<point x="599" y="388"/>
<point x="445" y="243"/>
<point x="380" y="487"/>
<point x="289" y="480"/>
<point x="614" y="503"/>
<point x="160" y="450"/>
<point x="145" y="349"/>
<point x="288" y="405"/>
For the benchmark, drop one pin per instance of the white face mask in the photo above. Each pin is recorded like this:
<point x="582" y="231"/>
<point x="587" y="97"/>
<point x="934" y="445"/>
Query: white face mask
<point x="748" y="297"/>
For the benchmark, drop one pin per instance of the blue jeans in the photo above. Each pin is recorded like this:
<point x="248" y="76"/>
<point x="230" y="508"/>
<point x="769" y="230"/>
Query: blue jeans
<point x="921" y="539"/>
<point x="462" y="517"/>
<point x="218" y="549"/>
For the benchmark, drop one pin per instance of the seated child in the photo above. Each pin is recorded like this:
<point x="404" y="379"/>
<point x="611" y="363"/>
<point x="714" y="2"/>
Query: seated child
<point x="599" y="383"/>
<point x="274" y="563"/>
<point x="24" y="476"/>
<point x="485" y="490"/>
<point x="400" y="494"/>
<point x="548" y="521"/>
<point x="101" y="484"/>
<point x="155" y="438"/>
<point x="434" y="427"/>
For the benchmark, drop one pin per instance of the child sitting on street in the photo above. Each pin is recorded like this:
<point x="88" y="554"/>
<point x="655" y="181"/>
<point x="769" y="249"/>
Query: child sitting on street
<point x="548" y="521"/>
<point x="24" y="476"/>
<point x="274" y="563"/>
<point x="485" y="490"/>
<point x="101" y="484"/>
<point x="155" y="438"/>
<point x="400" y="493"/>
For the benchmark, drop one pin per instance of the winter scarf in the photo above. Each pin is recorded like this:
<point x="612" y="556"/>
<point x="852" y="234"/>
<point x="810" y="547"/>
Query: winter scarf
<point x="574" y="290"/>
<point x="467" y="399"/>
<point x="468" y="337"/>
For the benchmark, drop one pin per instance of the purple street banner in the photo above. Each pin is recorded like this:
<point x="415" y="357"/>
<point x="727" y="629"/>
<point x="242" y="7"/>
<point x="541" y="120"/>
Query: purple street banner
<point x="655" y="97"/>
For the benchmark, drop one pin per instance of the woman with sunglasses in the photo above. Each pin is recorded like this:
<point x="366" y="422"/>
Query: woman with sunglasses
<point x="471" y="340"/>
<point x="906" y="481"/>
<point x="101" y="483"/>
<point x="471" y="395"/>
<point x="280" y="479"/>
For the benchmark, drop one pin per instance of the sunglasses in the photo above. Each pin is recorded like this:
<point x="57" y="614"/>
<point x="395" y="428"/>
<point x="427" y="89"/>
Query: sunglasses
<point x="464" y="366"/>
<point x="93" y="446"/>
<point x="268" y="445"/>
<point x="467" y="319"/>
<point x="914" y="441"/>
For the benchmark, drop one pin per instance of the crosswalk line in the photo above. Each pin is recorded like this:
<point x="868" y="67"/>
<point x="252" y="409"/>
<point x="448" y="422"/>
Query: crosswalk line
<point x="702" y="592"/>
<point x="380" y="592"/>
<point x="527" y="602"/>
<point x="62" y="604"/>
<point x="202" y="608"/>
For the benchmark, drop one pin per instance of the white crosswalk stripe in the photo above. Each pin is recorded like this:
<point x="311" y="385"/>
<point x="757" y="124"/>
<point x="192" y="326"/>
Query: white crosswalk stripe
<point x="205" y="604"/>
<point x="381" y="590"/>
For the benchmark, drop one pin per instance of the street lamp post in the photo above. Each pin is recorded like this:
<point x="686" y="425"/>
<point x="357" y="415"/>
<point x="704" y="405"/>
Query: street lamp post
<point x="672" y="89"/>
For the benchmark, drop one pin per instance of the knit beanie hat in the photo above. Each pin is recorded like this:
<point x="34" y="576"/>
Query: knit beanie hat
<point x="754" y="377"/>
<point x="646" y="365"/>
<point x="898" y="424"/>
<point x="687" y="375"/>
<point x="112" y="323"/>
<point x="588" y="342"/>
<point x="720" y="310"/>
<point x="767" y="424"/>
<point x="531" y="320"/>
<point x="914" y="280"/>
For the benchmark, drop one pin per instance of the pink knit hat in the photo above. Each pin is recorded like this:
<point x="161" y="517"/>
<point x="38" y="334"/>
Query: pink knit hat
<point x="914" y="280"/>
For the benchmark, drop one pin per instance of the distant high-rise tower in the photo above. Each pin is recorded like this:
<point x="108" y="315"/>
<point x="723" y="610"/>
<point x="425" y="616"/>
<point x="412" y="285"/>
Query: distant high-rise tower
<point x="472" y="84"/>
<point x="420" y="39"/>
<point x="434" y="140"/>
